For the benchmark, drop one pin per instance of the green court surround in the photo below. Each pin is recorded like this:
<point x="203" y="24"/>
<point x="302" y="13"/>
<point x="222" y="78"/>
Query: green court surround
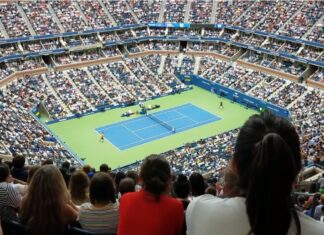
<point x="81" y="137"/>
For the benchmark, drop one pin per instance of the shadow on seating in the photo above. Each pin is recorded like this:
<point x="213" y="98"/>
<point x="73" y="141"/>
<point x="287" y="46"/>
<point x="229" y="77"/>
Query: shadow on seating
<point x="78" y="231"/>
<point x="16" y="228"/>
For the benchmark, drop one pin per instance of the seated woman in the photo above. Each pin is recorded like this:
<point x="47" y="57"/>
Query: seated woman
<point x="46" y="208"/>
<point x="266" y="162"/>
<point x="101" y="215"/>
<point x="10" y="198"/>
<point x="79" y="187"/>
<point x="151" y="210"/>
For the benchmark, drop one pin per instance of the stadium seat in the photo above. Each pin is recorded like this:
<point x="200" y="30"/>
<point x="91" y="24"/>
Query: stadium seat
<point x="78" y="231"/>
<point x="13" y="228"/>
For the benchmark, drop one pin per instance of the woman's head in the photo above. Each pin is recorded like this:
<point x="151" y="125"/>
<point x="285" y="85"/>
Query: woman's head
<point x="267" y="160"/>
<point x="31" y="172"/>
<point x="41" y="208"/>
<point x="181" y="186"/>
<point x="79" y="187"/>
<point x="156" y="174"/>
<point x="197" y="184"/>
<point x="102" y="189"/>
<point x="118" y="177"/>
<point x="4" y="172"/>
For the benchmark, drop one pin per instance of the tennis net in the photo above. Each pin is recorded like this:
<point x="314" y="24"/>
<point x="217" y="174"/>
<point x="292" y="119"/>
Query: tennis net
<point x="169" y="127"/>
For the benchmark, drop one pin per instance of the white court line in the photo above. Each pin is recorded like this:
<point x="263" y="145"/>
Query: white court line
<point x="182" y="128"/>
<point x="159" y="124"/>
<point x="131" y="131"/>
<point x="110" y="126"/>
<point x="123" y="122"/>
<point x="108" y="141"/>
<point x="185" y="116"/>
<point x="145" y="140"/>
<point x="198" y="124"/>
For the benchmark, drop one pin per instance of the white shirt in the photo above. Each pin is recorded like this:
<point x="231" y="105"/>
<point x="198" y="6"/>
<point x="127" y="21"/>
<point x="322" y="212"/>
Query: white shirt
<point x="208" y="215"/>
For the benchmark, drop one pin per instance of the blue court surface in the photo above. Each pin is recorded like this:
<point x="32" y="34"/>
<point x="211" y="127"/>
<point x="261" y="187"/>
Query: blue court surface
<point x="137" y="131"/>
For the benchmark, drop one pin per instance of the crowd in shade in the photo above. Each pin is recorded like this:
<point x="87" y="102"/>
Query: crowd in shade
<point x="69" y="16"/>
<point x="21" y="134"/>
<point x="13" y="21"/>
<point x="201" y="11"/>
<point x="40" y="18"/>
<point x="291" y="18"/>
<point x="173" y="201"/>
<point x="255" y="14"/>
<point x="280" y="14"/>
<point x="120" y="11"/>
<point x="230" y="11"/>
<point x="94" y="14"/>
<point x="303" y="20"/>
<point x="21" y="65"/>
<point x="146" y="10"/>
<point x="175" y="10"/>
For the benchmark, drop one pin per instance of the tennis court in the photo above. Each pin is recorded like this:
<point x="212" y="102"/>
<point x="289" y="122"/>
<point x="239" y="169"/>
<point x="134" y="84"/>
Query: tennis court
<point x="137" y="131"/>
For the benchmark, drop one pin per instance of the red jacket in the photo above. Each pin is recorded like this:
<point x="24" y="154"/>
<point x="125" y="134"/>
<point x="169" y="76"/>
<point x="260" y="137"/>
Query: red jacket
<point x="141" y="214"/>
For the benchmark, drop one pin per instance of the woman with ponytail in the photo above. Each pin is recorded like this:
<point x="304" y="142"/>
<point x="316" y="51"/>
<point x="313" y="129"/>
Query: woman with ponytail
<point x="151" y="211"/>
<point x="266" y="162"/>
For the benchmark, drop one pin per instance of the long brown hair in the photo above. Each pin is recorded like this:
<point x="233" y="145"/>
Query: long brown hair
<point x="267" y="153"/>
<point x="79" y="187"/>
<point x="42" y="207"/>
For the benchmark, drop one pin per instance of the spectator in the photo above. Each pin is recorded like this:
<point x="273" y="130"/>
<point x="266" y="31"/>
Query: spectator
<point x="66" y="176"/>
<point x="31" y="172"/>
<point x="321" y="182"/>
<point x="119" y="176"/>
<point x="134" y="176"/>
<point x="211" y="190"/>
<point x="102" y="208"/>
<point x="18" y="171"/>
<point x="47" y="162"/>
<point x="230" y="183"/>
<point x="181" y="189"/>
<point x="318" y="208"/>
<point x="46" y="208"/>
<point x="66" y="165"/>
<point x="79" y="187"/>
<point x="315" y="203"/>
<point x="322" y="217"/>
<point x="88" y="171"/>
<point x="197" y="184"/>
<point x="9" y="198"/>
<point x="300" y="203"/>
<point x="151" y="210"/>
<point x="104" y="168"/>
<point x="266" y="147"/>
<point x="126" y="185"/>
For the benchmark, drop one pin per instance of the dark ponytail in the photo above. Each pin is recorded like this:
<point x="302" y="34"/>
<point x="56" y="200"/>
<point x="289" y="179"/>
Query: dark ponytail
<point x="268" y="160"/>
<point x="156" y="174"/>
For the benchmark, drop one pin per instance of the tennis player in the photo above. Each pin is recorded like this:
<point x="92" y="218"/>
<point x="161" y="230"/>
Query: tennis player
<point x="102" y="137"/>
<point x="221" y="106"/>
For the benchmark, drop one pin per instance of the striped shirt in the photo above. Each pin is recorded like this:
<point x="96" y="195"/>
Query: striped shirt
<point x="9" y="196"/>
<point x="99" y="220"/>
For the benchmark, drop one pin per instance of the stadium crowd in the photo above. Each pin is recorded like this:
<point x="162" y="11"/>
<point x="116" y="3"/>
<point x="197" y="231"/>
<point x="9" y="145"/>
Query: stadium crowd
<point x="85" y="195"/>
<point x="295" y="18"/>
<point x="168" y="185"/>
